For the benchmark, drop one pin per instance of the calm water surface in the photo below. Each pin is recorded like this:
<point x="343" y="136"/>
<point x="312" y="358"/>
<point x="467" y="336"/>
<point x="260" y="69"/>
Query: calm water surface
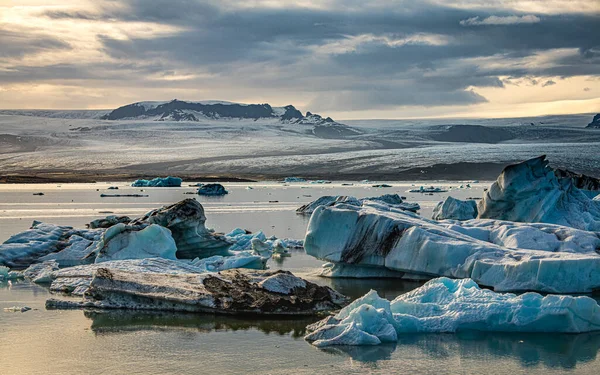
<point x="44" y="341"/>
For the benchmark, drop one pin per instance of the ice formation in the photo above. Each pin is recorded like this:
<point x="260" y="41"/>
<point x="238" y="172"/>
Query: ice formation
<point x="108" y="221"/>
<point x="158" y="182"/>
<point x="430" y="189"/>
<point x="123" y="241"/>
<point x="294" y="179"/>
<point x="445" y="305"/>
<point x="455" y="209"/>
<point x="212" y="190"/>
<point x="530" y="192"/>
<point x="6" y="274"/>
<point x="507" y="256"/>
<point x="229" y="292"/>
<point x="42" y="239"/>
<point x="185" y="219"/>
<point x="329" y="200"/>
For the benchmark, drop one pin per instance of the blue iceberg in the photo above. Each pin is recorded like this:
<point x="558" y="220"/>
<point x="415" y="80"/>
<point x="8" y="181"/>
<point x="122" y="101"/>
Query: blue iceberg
<point x="158" y="182"/>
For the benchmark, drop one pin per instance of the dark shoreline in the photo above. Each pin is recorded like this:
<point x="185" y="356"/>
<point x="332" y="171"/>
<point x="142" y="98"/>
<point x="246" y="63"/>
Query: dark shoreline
<point x="448" y="172"/>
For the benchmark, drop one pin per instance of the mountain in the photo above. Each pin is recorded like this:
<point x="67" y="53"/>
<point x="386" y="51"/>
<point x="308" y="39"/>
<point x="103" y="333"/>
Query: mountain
<point x="595" y="124"/>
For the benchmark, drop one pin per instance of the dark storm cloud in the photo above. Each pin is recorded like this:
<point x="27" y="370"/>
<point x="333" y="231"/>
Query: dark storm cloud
<point x="416" y="53"/>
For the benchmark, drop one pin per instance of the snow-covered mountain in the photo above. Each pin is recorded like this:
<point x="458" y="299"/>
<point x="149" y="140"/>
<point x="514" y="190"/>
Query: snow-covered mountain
<point x="179" y="110"/>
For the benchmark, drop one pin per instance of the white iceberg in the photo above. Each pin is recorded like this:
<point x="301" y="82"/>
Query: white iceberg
<point x="430" y="189"/>
<point x="135" y="242"/>
<point x="445" y="305"/>
<point x="455" y="209"/>
<point x="330" y="200"/>
<point x="531" y="192"/>
<point x="504" y="255"/>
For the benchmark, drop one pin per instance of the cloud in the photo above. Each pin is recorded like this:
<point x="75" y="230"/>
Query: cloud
<point x="496" y="20"/>
<point x="549" y="83"/>
<point x="328" y="55"/>
<point x="586" y="89"/>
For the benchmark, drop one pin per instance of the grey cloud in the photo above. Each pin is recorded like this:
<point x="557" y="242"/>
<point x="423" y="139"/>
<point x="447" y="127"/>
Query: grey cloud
<point x="18" y="43"/>
<point x="502" y="20"/>
<point x="549" y="83"/>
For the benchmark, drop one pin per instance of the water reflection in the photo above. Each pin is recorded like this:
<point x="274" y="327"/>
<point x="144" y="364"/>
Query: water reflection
<point x="559" y="351"/>
<point x="123" y="321"/>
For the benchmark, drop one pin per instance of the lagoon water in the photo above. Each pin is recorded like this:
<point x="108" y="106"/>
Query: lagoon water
<point x="44" y="341"/>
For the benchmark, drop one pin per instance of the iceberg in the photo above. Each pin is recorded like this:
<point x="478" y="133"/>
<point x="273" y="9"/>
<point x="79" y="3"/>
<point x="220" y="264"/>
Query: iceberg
<point x="185" y="219"/>
<point x="108" y="222"/>
<point x="294" y="179"/>
<point x="123" y="241"/>
<point x="330" y="200"/>
<point x="227" y="292"/>
<point x="531" y="192"/>
<point x="455" y="209"/>
<point x="6" y="274"/>
<point x="430" y="189"/>
<point x="158" y="182"/>
<point x="212" y="190"/>
<point x="22" y="249"/>
<point x="76" y="280"/>
<point x="445" y="305"/>
<point x="504" y="255"/>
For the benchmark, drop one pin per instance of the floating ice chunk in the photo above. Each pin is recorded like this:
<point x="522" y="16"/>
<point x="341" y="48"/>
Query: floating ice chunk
<point x="6" y="274"/>
<point x="455" y="209"/>
<point x="445" y="305"/>
<point x="353" y="271"/>
<point x="76" y="252"/>
<point x="230" y="291"/>
<point x="241" y="259"/>
<point x="185" y="219"/>
<point x="22" y="249"/>
<point x="530" y="192"/>
<point x="17" y="309"/>
<point x="503" y="255"/>
<point x="294" y="179"/>
<point x="212" y="189"/>
<point x="430" y="189"/>
<point x="158" y="182"/>
<point x="134" y="242"/>
<point x="328" y="200"/>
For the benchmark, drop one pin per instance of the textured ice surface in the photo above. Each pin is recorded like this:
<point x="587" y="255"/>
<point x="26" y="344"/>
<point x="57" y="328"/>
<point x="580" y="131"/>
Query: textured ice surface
<point x="185" y="219"/>
<point x="503" y="255"/>
<point x="42" y="239"/>
<point x="231" y="291"/>
<point x="445" y="305"/>
<point x="330" y="200"/>
<point x="530" y="192"/>
<point x="123" y="241"/>
<point x="158" y="182"/>
<point x="455" y="209"/>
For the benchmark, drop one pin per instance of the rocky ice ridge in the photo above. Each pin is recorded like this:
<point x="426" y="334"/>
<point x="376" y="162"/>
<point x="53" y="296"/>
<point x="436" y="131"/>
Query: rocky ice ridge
<point x="330" y="200"/>
<point x="581" y="181"/>
<point x="228" y="292"/>
<point x="506" y="256"/>
<point x="455" y="209"/>
<point x="445" y="305"/>
<point x="531" y="192"/>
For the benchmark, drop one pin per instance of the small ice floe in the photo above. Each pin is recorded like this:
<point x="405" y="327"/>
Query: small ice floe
<point x="112" y="188"/>
<point x="294" y="179"/>
<point x="320" y="182"/>
<point x="6" y="274"/>
<point x="158" y="182"/>
<point x="38" y="193"/>
<point x="123" y="195"/>
<point x="455" y="209"/>
<point x="17" y="309"/>
<point x="430" y="189"/>
<point x="445" y="305"/>
<point x="212" y="190"/>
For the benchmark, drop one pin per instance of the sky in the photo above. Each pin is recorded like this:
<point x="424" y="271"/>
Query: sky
<point x="350" y="59"/>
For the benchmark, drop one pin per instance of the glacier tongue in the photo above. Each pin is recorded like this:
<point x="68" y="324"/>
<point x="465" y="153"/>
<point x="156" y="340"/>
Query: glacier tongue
<point x="504" y="255"/>
<point x="445" y="305"/>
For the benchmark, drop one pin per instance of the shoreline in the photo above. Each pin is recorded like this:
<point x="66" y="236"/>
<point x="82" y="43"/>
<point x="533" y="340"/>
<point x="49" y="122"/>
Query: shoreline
<point x="442" y="172"/>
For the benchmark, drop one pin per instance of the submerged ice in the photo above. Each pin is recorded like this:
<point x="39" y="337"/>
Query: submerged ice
<point x="445" y="305"/>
